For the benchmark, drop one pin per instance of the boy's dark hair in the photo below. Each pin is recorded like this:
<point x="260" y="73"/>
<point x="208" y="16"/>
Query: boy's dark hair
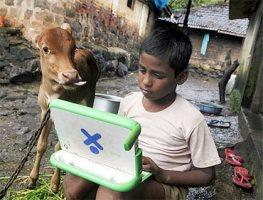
<point x="167" y="42"/>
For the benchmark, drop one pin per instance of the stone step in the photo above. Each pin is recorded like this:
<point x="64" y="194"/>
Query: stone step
<point x="251" y="126"/>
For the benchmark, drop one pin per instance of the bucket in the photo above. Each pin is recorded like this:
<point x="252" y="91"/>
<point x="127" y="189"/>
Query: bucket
<point x="107" y="103"/>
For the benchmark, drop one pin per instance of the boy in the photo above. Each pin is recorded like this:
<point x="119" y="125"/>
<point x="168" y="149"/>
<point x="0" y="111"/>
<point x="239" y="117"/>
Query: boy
<point x="174" y="134"/>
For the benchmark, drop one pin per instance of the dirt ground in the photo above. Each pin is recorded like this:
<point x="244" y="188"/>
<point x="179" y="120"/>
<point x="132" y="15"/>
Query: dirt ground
<point x="19" y="119"/>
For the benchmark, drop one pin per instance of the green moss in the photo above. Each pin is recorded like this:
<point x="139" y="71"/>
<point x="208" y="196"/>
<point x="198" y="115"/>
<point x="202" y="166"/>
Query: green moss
<point x="252" y="79"/>
<point x="235" y="101"/>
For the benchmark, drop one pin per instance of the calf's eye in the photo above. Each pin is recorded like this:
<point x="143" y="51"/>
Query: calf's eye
<point x="46" y="50"/>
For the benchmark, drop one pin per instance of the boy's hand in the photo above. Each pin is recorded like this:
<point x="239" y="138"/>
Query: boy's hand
<point x="192" y="178"/>
<point x="149" y="165"/>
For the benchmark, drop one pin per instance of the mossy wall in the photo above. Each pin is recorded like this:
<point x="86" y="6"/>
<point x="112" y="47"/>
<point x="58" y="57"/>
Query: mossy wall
<point x="250" y="62"/>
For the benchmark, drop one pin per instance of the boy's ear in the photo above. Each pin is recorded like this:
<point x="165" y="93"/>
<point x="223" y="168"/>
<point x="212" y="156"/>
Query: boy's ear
<point x="182" y="77"/>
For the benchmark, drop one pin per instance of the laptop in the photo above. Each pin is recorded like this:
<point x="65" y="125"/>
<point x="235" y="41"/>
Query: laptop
<point x="98" y="146"/>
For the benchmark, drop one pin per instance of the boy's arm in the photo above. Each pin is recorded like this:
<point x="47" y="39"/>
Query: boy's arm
<point x="193" y="178"/>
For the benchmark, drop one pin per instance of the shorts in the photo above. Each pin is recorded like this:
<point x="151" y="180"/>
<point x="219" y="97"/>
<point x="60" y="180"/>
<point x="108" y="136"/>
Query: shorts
<point x="174" y="192"/>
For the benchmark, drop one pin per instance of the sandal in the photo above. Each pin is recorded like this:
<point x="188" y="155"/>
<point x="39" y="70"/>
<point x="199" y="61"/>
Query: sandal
<point x="242" y="171"/>
<point x="231" y="158"/>
<point x="219" y="124"/>
<point x="229" y="151"/>
<point x="242" y="182"/>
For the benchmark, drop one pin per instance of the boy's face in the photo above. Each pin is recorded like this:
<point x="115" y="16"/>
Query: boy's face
<point x="156" y="78"/>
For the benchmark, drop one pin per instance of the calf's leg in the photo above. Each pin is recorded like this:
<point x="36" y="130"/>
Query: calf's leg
<point x="55" y="180"/>
<point x="41" y="148"/>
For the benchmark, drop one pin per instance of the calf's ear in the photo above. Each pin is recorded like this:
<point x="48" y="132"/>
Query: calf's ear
<point x="38" y="40"/>
<point x="66" y="27"/>
<point x="34" y="36"/>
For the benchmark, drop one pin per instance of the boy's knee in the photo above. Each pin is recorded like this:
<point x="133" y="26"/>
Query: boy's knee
<point x="77" y="188"/>
<point x="105" y="193"/>
<point x="70" y="195"/>
<point x="74" y="193"/>
<point x="70" y="192"/>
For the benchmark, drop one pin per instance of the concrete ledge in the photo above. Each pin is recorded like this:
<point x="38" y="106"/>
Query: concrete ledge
<point x="252" y="148"/>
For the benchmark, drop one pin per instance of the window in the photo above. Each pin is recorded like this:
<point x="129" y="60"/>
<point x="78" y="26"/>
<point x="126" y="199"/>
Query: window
<point x="130" y="3"/>
<point x="204" y="44"/>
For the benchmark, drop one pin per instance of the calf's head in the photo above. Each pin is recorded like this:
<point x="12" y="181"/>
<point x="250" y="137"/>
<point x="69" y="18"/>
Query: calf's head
<point x="57" y="50"/>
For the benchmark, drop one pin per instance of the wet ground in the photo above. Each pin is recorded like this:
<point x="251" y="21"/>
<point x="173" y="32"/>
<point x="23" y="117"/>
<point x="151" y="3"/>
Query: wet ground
<point x="19" y="118"/>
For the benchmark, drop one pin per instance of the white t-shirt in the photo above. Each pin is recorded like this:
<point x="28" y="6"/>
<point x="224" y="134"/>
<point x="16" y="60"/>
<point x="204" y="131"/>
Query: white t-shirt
<point x="175" y="137"/>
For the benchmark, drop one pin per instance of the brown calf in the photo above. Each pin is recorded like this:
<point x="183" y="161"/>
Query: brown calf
<point x="67" y="73"/>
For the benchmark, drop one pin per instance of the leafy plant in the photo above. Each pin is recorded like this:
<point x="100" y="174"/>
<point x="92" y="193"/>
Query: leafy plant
<point x="179" y="4"/>
<point x="235" y="101"/>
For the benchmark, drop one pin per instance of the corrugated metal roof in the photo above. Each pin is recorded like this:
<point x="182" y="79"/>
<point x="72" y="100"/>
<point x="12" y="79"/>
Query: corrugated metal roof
<point x="215" y="18"/>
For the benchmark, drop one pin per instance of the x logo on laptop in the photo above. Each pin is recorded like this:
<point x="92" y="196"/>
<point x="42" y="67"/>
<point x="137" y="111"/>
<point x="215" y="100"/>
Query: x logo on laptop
<point x="92" y="140"/>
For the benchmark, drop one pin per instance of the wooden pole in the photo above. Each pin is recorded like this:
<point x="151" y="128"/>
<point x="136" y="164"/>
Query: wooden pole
<point x="187" y="13"/>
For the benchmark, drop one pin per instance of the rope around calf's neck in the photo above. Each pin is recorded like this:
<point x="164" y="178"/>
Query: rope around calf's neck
<point x="31" y="144"/>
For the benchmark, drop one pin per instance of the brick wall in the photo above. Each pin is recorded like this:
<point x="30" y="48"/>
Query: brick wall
<point x="217" y="47"/>
<point x="97" y="21"/>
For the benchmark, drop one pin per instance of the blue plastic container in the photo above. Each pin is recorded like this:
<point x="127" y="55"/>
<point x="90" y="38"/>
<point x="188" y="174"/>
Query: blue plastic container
<point x="210" y="108"/>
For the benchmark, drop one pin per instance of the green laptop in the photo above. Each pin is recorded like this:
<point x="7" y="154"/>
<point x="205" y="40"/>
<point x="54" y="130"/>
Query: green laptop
<point x="98" y="146"/>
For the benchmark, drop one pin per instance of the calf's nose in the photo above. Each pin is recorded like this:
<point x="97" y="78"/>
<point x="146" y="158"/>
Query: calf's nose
<point x="70" y="76"/>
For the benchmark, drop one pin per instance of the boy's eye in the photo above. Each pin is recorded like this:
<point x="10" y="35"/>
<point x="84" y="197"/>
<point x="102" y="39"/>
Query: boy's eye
<point x="158" y="75"/>
<point x="142" y="69"/>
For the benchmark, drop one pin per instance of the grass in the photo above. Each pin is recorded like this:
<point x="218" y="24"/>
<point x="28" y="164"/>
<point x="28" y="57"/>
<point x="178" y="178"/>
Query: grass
<point x="42" y="191"/>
